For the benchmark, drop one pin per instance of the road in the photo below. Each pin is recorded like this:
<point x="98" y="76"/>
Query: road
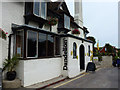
<point x="103" y="78"/>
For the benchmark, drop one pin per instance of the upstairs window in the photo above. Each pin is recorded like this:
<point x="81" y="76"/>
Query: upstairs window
<point x="66" y="22"/>
<point x="39" y="9"/>
<point x="74" y="50"/>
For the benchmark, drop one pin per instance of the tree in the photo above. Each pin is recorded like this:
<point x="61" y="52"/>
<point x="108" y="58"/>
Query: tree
<point x="92" y="39"/>
<point x="109" y="48"/>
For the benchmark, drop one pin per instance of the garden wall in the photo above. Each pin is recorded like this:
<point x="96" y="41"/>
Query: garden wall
<point x="106" y="61"/>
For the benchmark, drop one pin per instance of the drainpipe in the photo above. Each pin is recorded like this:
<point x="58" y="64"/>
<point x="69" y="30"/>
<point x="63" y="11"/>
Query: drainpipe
<point x="9" y="46"/>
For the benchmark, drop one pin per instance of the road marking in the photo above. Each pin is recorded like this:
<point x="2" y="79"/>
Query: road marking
<point x="70" y="80"/>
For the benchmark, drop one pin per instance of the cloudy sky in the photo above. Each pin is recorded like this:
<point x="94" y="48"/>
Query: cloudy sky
<point x="101" y="18"/>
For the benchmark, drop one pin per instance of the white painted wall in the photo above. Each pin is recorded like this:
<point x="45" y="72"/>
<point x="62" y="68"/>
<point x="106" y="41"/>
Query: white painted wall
<point x="12" y="12"/>
<point x="39" y="70"/>
<point x="74" y="64"/>
<point x="0" y="52"/>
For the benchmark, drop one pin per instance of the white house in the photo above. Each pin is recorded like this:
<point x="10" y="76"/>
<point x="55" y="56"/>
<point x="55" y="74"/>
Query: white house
<point x="46" y="51"/>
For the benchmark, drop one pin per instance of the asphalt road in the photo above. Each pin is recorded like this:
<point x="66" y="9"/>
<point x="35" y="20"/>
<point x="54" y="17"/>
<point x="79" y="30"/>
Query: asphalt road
<point x="103" y="78"/>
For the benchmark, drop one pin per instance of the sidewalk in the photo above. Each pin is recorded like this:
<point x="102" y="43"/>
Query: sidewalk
<point x="45" y="84"/>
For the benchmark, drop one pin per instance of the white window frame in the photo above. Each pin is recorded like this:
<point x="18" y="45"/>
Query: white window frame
<point x="40" y="9"/>
<point x="27" y="45"/>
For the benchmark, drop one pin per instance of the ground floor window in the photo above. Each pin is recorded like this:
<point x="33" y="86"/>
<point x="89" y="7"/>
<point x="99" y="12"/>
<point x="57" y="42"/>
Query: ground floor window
<point x="37" y="44"/>
<point x="19" y="42"/>
<point x="31" y="44"/>
<point x="89" y="50"/>
<point x="57" y="45"/>
<point x="74" y="50"/>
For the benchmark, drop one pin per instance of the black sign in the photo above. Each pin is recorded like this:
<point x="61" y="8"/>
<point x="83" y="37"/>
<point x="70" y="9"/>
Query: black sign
<point x="65" y="54"/>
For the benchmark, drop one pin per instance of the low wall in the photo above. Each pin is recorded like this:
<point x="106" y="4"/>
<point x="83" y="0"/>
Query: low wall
<point x="106" y="61"/>
<point x="38" y="70"/>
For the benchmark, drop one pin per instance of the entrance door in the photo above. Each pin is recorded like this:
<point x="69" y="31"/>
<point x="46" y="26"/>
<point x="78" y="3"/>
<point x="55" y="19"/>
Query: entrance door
<point x="82" y="57"/>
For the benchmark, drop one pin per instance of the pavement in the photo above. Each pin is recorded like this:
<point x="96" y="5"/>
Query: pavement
<point x="102" y="78"/>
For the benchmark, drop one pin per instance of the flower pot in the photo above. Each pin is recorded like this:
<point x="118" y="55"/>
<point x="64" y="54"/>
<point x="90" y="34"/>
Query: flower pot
<point x="11" y="75"/>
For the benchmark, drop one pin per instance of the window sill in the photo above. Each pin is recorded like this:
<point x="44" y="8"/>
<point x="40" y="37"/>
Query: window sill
<point x="40" y="58"/>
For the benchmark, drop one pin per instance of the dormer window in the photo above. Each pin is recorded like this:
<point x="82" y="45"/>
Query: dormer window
<point x="66" y="21"/>
<point x="39" y="9"/>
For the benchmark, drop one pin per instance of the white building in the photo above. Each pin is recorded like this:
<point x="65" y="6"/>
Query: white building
<point x="46" y="51"/>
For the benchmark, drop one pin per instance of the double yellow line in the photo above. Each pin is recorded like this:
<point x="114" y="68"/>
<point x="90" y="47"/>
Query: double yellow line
<point x="71" y="80"/>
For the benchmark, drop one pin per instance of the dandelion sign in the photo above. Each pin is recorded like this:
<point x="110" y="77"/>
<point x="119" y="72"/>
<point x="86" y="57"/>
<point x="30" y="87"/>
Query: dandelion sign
<point x="65" y="54"/>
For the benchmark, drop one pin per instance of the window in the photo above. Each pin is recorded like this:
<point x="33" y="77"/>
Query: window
<point x="19" y="43"/>
<point x="50" y="46"/>
<point x="66" y="22"/>
<point x="32" y="44"/>
<point x="43" y="10"/>
<point x="57" y="45"/>
<point x="42" y="45"/>
<point x="74" y="50"/>
<point x="40" y="9"/>
<point x="88" y="50"/>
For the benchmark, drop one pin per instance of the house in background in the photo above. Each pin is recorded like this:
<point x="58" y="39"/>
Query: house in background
<point x="47" y="49"/>
<point x="104" y="50"/>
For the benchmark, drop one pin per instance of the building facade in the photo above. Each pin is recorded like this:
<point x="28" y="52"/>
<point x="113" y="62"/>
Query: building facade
<point x="41" y="34"/>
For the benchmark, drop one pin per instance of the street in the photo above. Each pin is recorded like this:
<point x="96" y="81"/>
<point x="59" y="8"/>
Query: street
<point x="103" y="78"/>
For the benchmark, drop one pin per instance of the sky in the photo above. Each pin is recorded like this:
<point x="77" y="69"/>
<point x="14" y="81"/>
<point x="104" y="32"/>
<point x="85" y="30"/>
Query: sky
<point x="101" y="19"/>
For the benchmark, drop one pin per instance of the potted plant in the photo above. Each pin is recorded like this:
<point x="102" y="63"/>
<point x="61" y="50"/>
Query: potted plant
<point x="10" y="65"/>
<point x="76" y="32"/>
<point x="3" y="34"/>
<point x="52" y="21"/>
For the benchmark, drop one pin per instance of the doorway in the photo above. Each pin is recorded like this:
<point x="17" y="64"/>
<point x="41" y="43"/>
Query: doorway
<point x="82" y="57"/>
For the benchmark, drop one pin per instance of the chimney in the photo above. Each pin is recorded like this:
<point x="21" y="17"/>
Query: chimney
<point x="78" y="12"/>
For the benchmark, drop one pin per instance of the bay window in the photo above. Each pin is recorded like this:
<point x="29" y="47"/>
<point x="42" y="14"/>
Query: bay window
<point x="39" y="9"/>
<point x="37" y="44"/>
<point x="66" y="22"/>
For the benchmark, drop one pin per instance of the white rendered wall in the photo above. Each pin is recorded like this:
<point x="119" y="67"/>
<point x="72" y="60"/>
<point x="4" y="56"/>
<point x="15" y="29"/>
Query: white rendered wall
<point x="39" y="70"/>
<point x="12" y="12"/>
<point x="0" y="37"/>
<point x="0" y="52"/>
<point x="74" y="64"/>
